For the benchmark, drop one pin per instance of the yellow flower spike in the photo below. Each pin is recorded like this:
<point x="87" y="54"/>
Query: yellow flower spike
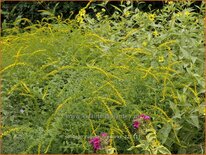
<point x="161" y="59"/>
<point x="82" y="12"/>
<point x="151" y="17"/>
<point x="80" y="20"/>
<point x="155" y="33"/>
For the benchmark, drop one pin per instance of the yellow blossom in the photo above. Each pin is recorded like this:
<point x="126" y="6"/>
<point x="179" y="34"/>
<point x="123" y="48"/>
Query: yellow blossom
<point x="80" y="20"/>
<point x="187" y="13"/>
<point x="98" y="15"/>
<point x="82" y="12"/>
<point x="161" y="59"/>
<point x="155" y="33"/>
<point x="103" y="10"/>
<point x="170" y="2"/>
<point x="151" y="17"/>
<point x="126" y="13"/>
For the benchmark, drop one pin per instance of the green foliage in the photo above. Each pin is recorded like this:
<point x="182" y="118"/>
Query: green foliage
<point x="150" y="145"/>
<point x="66" y="80"/>
<point x="12" y="11"/>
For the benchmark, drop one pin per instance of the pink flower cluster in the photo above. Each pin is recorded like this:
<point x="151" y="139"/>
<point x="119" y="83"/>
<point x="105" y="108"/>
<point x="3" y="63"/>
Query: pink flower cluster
<point x="136" y="124"/>
<point x="97" y="141"/>
<point x="137" y="121"/>
<point x="145" y="117"/>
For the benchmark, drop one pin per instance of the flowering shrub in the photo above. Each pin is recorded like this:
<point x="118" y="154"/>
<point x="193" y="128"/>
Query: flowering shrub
<point x="64" y="80"/>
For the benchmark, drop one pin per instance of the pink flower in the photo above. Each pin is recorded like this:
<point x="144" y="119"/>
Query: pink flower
<point x="136" y="124"/>
<point x="145" y="117"/>
<point x="103" y="134"/>
<point x="139" y="119"/>
<point x="96" y="143"/>
<point x="99" y="142"/>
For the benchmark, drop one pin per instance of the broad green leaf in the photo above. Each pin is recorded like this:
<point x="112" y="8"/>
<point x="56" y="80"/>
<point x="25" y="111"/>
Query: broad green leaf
<point x="45" y="13"/>
<point x="193" y="59"/>
<point x="193" y="119"/>
<point x="185" y="53"/>
<point x="150" y="137"/>
<point x="131" y="148"/>
<point x="163" y="133"/>
<point x="116" y="8"/>
<point x="163" y="150"/>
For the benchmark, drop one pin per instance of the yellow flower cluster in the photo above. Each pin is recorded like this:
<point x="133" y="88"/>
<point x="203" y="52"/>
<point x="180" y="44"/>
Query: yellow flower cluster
<point x="179" y="14"/>
<point x="151" y="17"/>
<point x="80" y="20"/>
<point x="127" y="13"/>
<point x="99" y="16"/>
<point x="155" y="33"/>
<point x="187" y="13"/>
<point x="170" y="2"/>
<point x="82" y="12"/>
<point x="161" y="59"/>
<point x="81" y="15"/>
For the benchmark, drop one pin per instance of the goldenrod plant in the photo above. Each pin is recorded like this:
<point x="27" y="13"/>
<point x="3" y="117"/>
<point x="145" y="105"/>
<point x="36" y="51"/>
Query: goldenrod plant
<point x="120" y="82"/>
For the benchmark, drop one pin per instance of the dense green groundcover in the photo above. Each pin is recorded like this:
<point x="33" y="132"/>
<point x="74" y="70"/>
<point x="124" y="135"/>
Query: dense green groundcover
<point x="66" y="81"/>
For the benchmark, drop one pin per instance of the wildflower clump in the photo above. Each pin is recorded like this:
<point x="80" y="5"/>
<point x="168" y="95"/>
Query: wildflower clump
<point x="95" y="143"/>
<point x="147" y="136"/>
<point x="82" y="12"/>
<point x="100" y="143"/>
<point x="81" y="16"/>
<point x="90" y="72"/>
<point x="99" y="16"/>
<point x="140" y="120"/>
